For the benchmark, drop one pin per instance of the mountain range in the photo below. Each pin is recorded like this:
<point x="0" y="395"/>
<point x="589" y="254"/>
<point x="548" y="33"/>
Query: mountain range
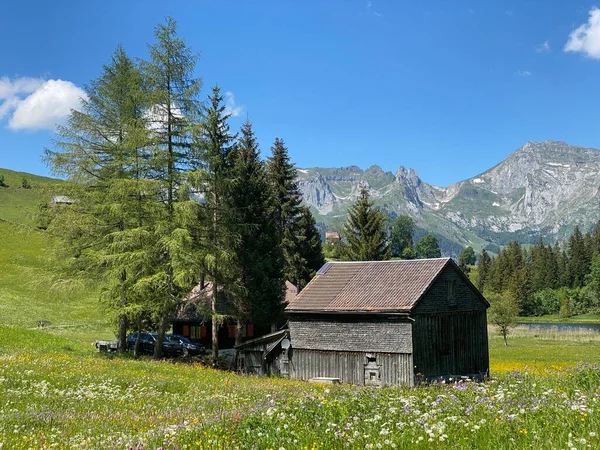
<point x="541" y="189"/>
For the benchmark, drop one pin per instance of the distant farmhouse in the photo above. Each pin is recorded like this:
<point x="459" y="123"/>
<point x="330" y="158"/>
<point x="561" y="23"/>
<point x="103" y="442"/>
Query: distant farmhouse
<point x="332" y="236"/>
<point x="61" y="200"/>
<point x="381" y="323"/>
<point x="193" y="318"/>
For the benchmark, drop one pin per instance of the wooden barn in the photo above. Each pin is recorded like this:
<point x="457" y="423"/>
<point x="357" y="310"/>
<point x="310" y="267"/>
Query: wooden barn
<point x="388" y="323"/>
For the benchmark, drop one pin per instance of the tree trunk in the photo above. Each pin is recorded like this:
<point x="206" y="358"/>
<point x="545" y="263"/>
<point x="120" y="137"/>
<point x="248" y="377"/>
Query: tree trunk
<point x="238" y="340"/>
<point x="136" y="347"/>
<point x="122" y="338"/>
<point x="504" y="334"/>
<point x="158" y="347"/>
<point x="215" y="324"/>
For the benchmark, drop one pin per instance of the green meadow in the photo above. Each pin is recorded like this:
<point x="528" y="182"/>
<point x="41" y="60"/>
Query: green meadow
<point x="57" y="392"/>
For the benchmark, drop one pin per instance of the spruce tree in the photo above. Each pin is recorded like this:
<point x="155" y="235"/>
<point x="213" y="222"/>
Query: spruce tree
<point x="539" y="266"/>
<point x="215" y="156"/>
<point x="309" y="247"/>
<point x="259" y="258"/>
<point x="366" y="231"/>
<point x="287" y="208"/>
<point x="483" y="269"/>
<point x="103" y="150"/>
<point x="577" y="265"/>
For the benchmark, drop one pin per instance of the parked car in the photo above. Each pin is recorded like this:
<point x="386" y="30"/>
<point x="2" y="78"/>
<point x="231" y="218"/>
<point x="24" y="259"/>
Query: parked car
<point x="148" y="341"/>
<point x="189" y="347"/>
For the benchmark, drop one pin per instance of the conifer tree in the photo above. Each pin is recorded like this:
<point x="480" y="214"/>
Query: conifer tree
<point x="596" y="237"/>
<point x="577" y="265"/>
<point x="215" y="156"/>
<point x="287" y="208"/>
<point x="483" y="268"/>
<point x="539" y="266"/>
<point x="103" y="151"/>
<point x="366" y="231"/>
<point x="173" y="111"/>
<point x="259" y="259"/>
<point x="309" y="247"/>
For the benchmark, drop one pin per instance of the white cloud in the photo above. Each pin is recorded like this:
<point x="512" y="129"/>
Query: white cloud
<point x="586" y="38"/>
<point x="371" y="11"/>
<point x="156" y="116"/>
<point x="523" y="73"/>
<point x="230" y="106"/>
<point x="544" y="48"/>
<point x="34" y="103"/>
<point x="509" y="12"/>
<point x="12" y="88"/>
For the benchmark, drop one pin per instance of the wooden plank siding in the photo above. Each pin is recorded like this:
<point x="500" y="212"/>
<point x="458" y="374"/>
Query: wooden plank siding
<point x="349" y="367"/>
<point x="347" y="333"/>
<point x="449" y="344"/>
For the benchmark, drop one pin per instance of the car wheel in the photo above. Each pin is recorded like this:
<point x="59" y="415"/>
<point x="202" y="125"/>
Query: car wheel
<point x="186" y="351"/>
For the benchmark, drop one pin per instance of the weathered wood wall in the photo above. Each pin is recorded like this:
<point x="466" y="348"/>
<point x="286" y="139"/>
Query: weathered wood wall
<point x="349" y="367"/>
<point x="435" y="300"/>
<point x="449" y="344"/>
<point x="351" y="333"/>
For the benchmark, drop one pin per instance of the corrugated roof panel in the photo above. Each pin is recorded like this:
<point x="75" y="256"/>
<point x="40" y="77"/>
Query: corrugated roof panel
<point x="369" y="286"/>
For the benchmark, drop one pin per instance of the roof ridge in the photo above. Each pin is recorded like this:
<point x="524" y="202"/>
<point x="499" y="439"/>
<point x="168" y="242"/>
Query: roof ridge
<point x="445" y="258"/>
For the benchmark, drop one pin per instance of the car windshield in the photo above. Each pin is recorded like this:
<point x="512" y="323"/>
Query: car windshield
<point x="183" y="339"/>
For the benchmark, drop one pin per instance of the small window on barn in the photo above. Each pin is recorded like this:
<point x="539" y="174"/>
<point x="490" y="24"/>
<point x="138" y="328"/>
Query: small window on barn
<point x="231" y="331"/>
<point x="451" y="292"/>
<point x="250" y="332"/>
<point x="186" y="331"/>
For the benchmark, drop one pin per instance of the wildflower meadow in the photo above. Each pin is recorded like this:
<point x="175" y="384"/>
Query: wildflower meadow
<point x="58" y="393"/>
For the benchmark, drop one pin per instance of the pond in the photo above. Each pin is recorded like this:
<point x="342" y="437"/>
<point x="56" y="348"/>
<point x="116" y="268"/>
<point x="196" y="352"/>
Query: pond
<point x="561" y="326"/>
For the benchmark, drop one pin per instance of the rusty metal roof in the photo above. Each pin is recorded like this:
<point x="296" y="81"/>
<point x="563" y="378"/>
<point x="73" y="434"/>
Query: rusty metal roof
<point x="370" y="286"/>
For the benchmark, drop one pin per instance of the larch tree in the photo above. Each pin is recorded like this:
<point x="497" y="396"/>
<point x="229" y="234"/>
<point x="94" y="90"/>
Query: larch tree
<point x="172" y="113"/>
<point x="103" y="150"/>
<point x="366" y="231"/>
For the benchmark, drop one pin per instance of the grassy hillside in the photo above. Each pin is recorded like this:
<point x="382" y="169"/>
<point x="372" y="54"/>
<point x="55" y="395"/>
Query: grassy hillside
<point x="30" y="290"/>
<point x="18" y="204"/>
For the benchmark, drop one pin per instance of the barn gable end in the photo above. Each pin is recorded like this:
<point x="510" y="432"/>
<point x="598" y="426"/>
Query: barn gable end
<point x="439" y="297"/>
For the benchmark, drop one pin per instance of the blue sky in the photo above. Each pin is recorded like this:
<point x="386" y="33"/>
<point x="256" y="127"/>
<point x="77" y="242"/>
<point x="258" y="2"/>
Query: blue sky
<point x="448" y="88"/>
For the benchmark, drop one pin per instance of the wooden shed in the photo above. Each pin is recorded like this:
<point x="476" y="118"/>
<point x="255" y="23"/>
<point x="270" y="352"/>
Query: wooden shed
<point x="264" y="355"/>
<point x="389" y="323"/>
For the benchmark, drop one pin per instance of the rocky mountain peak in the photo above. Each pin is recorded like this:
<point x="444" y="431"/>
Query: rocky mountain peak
<point x="542" y="188"/>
